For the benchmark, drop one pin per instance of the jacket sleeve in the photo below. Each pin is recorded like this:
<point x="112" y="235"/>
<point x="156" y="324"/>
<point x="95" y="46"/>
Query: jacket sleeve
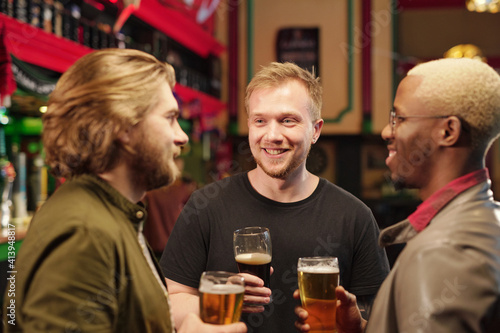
<point x="72" y="287"/>
<point x="445" y="288"/>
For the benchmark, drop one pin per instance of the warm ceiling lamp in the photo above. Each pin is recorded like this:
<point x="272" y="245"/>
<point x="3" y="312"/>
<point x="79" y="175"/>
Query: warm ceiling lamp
<point x="465" y="51"/>
<point x="491" y="6"/>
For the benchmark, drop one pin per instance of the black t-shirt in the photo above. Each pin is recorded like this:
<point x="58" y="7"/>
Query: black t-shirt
<point x="330" y="222"/>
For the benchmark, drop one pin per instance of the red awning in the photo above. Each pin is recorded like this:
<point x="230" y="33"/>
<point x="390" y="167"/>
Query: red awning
<point x="176" y="25"/>
<point x="7" y="81"/>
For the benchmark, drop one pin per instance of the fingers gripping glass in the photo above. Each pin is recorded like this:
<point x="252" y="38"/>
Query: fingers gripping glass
<point x="317" y="278"/>
<point x="253" y="253"/>
<point x="394" y="119"/>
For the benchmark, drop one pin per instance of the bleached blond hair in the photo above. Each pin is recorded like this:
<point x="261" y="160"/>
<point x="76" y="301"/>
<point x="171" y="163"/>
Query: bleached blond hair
<point x="466" y="88"/>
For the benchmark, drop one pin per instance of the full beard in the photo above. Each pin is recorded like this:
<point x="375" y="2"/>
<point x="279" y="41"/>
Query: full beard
<point x="160" y="177"/>
<point x="153" y="167"/>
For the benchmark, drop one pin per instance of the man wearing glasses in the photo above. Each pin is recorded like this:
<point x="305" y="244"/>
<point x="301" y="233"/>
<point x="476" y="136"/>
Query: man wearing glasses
<point x="447" y="279"/>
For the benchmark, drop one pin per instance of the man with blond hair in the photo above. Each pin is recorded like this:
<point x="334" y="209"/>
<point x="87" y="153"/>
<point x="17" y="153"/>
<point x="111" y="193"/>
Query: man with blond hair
<point x="306" y="214"/>
<point x="111" y="130"/>
<point x="447" y="279"/>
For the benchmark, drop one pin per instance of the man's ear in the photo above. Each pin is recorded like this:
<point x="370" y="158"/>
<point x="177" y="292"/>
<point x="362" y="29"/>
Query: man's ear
<point x="317" y="126"/>
<point x="450" y="132"/>
<point x="124" y="136"/>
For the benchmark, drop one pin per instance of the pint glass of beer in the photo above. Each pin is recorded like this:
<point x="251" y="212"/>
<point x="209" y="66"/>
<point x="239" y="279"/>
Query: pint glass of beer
<point x="252" y="252"/>
<point x="221" y="297"/>
<point x="318" y="278"/>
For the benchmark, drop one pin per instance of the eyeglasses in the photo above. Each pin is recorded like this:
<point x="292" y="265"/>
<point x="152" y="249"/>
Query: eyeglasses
<point x="394" y="118"/>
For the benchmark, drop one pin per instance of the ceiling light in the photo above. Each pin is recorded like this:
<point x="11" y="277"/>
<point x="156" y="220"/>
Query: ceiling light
<point x="465" y="51"/>
<point x="482" y="6"/>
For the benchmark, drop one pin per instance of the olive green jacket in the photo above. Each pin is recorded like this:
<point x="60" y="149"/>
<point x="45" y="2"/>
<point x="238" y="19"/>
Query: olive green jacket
<point x="81" y="267"/>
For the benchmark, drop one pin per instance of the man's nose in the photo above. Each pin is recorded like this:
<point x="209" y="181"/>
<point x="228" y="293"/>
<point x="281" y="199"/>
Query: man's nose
<point x="181" y="137"/>
<point x="274" y="132"/>
<point x="387" y="132"/>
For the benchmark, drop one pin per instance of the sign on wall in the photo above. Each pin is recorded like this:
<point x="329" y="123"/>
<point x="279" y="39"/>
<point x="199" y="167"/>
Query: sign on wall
<point x="300" y="46"/>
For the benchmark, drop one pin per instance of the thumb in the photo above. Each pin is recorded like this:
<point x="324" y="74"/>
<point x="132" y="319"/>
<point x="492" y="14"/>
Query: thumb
<point x="344" y="296"/>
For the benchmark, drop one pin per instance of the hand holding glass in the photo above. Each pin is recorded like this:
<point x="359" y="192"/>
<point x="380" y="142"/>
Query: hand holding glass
<point x="221" y="297"/>
<point x="318" y="278"/>
<point x="253" y="253"/>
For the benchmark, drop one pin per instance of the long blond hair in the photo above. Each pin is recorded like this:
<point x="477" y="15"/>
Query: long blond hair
<point x="101" y="95"/>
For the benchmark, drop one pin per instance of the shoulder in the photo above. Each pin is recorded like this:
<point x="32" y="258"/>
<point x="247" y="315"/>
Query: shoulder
<point x="334" y="189"/>
<point x="76" y="206"/>
<point x="446" y="283"/>
<point x="227" y="187"/>
<point x="340" y="197"/>
<point x="448" y="261"/>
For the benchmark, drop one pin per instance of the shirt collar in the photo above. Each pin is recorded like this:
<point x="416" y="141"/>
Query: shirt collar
<point x="429" y="208"/>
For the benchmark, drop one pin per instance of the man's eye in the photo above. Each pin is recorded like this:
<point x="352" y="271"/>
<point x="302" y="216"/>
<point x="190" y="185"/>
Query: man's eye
<point x="171" y="118"/>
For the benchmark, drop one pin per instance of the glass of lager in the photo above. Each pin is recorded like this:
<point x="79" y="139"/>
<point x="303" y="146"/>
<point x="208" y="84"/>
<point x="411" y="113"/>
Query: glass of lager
<point x="318" y="278"/>
<point x="221" y="297"/>
<point x="253" y="253"/>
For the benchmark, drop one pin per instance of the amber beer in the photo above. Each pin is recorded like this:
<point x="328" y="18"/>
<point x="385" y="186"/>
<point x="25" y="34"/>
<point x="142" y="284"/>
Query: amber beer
<point x="258" y="264"/>
<point x="221" y="297"/>
<point x="317" y="293"/>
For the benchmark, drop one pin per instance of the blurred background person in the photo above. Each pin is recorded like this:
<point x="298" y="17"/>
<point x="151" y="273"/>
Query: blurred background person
<point x="164" y="206"/>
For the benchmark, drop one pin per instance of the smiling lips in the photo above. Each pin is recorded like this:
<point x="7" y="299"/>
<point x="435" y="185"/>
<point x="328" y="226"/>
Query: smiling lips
<point x="392" y="152"/>
<point x="275" y="151"/>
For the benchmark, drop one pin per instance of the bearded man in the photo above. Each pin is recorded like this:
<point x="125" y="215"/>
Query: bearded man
<point x="306" y="214"/>
<point x="111" y="130"/>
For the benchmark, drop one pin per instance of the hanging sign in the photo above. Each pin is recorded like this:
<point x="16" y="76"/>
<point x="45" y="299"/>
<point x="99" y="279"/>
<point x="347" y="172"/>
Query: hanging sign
<point x="28" y="80"/>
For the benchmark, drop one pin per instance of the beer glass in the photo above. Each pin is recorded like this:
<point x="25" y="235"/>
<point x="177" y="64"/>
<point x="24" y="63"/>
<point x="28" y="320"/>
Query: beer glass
<point x="252" y="252"/>
<point x="318" y="278"/>
<point x="221" y="297"/>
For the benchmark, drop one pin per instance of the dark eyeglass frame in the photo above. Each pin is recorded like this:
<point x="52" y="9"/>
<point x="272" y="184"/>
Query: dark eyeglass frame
<point x="394" y="118"/>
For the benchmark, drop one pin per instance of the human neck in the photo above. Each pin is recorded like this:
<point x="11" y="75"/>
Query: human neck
<point x="447" y="170"/>
<point x="298" y="186"/>
<point x="121" y="179"/>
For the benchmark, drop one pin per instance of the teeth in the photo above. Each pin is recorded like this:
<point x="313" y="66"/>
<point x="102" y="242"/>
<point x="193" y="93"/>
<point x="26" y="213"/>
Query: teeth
<point x="275" y="151"/>
<point x="392" y="152"/>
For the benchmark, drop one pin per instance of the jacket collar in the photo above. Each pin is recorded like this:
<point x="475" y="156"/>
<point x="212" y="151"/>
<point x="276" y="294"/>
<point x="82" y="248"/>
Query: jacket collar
<point x="405" y="230"/>
<point x="430" y="207"/>
<point x="136" y="213"/>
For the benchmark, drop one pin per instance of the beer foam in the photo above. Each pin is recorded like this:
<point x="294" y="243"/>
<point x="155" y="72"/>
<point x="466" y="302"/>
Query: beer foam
<point x="222" y="289"/>
<point x="253" y="258"/>
<point x="323" y="269"/>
